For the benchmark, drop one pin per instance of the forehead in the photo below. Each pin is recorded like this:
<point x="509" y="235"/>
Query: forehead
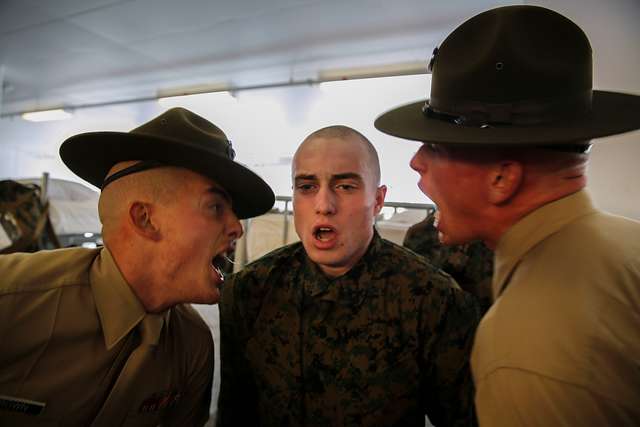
<point x="451" y="167"/>
<point x="321" y="156"/>
<point x="195" y="182"/>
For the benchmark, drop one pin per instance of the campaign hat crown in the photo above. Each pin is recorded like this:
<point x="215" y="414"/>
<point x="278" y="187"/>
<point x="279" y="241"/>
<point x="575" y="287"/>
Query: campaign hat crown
<point x="514" y="75"/>
<point x="178" y="137"/>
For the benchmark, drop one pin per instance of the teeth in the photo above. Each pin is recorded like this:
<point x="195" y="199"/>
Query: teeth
<point x="220" y="273"/>
<point x="436" y="219"/>
<point x="215" y="264"/>
<point x="321" y="232"/>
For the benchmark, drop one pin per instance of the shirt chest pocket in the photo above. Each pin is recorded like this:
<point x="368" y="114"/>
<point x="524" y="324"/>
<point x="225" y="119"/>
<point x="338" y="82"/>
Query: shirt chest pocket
<point x="384" y="387"/>
<point x="152" y="409"/>
<point x="158" y="391"/>
<point x="385" y="370"/>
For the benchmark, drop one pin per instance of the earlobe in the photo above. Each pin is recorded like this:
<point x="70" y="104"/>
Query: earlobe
<point x="505" y="180"/>
<point x="140" y="216"/>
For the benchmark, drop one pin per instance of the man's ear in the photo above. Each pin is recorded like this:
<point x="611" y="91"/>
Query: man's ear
<point x="505" y="180"/>
<point x="143" y="221"/>
<point x="381" y="193"/>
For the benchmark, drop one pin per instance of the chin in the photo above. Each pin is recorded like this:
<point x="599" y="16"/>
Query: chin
<point x="321" y="257"/>
<point x="209" y="298"/>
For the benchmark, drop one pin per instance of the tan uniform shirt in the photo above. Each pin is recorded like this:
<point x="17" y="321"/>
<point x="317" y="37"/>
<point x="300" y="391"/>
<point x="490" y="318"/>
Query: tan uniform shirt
<point x="561" y="344"/>
<point x="67" y="326"/>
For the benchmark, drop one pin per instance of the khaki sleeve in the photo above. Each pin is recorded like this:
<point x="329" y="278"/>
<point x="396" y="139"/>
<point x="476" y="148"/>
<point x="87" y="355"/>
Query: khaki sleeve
<point x="515" y="397"/>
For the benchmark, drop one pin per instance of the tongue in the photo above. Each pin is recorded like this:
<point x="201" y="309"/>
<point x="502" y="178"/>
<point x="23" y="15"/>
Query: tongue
<point x="325" y="235"/>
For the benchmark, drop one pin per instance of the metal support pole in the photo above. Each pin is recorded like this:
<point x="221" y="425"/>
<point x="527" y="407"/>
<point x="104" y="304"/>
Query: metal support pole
<point x="285" y="235"/>
<point x="2" y="70"/>
<point x="44" y="187"/>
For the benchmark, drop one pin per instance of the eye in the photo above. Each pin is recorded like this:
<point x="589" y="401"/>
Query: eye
<point x="216" y="208"/>
<point x="305" y="188"/>
<point x="431" y="147"/>
<point x="346" y="187"/>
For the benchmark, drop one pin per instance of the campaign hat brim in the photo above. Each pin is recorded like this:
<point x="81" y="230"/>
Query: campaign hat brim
<point x="612" y="113"/>
<point x="91" y="155"/>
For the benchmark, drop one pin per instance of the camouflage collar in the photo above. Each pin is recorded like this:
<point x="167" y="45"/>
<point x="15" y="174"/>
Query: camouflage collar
<point x="349" y="289"/>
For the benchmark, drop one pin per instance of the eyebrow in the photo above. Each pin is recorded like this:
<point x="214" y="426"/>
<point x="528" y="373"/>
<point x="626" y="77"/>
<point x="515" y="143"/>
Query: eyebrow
<point x="305" y="177"/>
<point x="220" y="192"/>
<point x="336" y="177"/>
<point x="347" y="175"/>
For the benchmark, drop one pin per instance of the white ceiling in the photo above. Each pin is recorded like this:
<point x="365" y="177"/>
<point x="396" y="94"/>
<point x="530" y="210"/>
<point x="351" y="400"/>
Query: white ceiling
<point x="76" y="52"/>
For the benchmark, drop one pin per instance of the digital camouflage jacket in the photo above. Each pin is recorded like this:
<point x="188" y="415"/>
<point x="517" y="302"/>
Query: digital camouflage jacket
<point x="471" y="264"/>
<point x="382" y="345"/>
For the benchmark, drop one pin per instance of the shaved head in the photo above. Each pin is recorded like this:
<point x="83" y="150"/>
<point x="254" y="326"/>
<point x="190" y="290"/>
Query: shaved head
<point x="348" y="134"/>
<point x="538" y="160"/>
<point x="156" y="185"/>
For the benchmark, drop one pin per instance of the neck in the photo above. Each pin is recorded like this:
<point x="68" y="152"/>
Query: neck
<point x="534" y="194"/>
<point x="129" y="260"/>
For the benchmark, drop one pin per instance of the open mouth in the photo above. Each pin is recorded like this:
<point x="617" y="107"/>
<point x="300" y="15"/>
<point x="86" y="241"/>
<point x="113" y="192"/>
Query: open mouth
<point x="324" y="234"/>
<point x="436" y="219"/>
<point x="219" y="262"/>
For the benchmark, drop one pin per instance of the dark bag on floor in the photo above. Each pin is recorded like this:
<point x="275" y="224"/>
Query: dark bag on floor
<point x="25" y="218"/>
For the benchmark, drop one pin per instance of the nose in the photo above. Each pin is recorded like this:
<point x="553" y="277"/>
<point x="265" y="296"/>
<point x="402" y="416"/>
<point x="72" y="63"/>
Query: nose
<point x="325" y="202"/>
<point x="234" y="228"/>
<point x="417" y="162"/>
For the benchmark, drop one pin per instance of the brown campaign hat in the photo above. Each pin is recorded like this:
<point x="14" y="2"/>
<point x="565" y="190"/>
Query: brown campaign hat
<point x="514" y="75"/>
<point x="177" y="137"/>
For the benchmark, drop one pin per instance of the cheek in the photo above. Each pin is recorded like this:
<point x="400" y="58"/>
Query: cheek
<point x="301" y="210"/>
<point x="359" y="221"/>
<point x="200" y="235"/>
<point x="424" y="183"/>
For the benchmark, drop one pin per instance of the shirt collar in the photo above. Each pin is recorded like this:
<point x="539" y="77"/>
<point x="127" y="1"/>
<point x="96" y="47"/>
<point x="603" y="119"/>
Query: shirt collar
<point x="531" y="230"/>
<point x="118" y="307"/>
<point x="346" y="288"/>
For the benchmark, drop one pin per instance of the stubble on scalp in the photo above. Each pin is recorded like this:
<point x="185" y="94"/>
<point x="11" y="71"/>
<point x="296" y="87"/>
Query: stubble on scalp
<point x="158" y="186"/>
<point x="347" y="134"/>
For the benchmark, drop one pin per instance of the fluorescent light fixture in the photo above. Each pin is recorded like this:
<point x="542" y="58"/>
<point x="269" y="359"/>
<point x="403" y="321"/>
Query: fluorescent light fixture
<point x="188" y="95"/>
<point x="188" y="100"/>
<point x="388" y="70"/>
<point x="47" y="115"/>
<point x="191" y="90"/>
